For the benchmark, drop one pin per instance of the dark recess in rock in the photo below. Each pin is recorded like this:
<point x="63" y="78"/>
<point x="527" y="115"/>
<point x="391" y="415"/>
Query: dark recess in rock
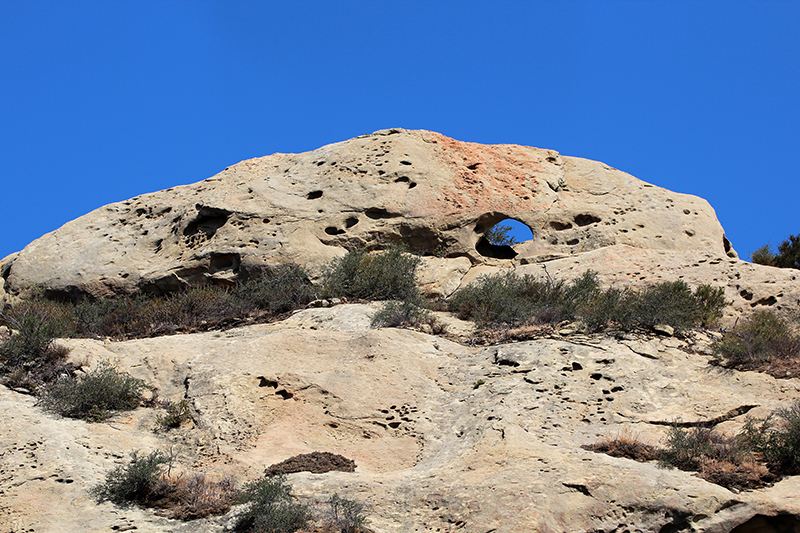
<point x="782" y="523"/>
<point x="208" y="221"/>
<point x="585" y="220"/>
<point x="487" y="249"/>
<point x="376" y="213"/>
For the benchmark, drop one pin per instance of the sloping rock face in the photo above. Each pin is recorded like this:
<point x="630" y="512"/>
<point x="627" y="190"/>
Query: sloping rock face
<point x="432" y="193"/>
<point x="435" y="449"/>
<point x="446" y="436"/>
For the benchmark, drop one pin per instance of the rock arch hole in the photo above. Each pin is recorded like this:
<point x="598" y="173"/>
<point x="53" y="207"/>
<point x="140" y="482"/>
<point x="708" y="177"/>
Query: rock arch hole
<point x="499" y="235"/>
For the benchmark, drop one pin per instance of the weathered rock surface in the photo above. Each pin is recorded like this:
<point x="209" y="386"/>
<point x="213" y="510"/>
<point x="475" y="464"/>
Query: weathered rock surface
<point x="447" y="436"/>
<point x="433" y="193"/>
<point x="434" y="453"/>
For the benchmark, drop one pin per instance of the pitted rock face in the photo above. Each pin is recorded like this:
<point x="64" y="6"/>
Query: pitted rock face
<point x="430" y="192"/>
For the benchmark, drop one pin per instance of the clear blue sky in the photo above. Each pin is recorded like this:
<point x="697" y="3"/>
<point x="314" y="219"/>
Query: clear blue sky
<point x="103" y="100"/>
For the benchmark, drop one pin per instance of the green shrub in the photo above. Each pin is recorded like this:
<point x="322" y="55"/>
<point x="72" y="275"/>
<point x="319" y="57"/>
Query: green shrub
<point x="37" y="324"/>
<point x="146" y="480"/>
<point x="776" y="438"/>
<point x="94" y="395"/>
<point x="669" y="302"/>
<point x="31" y="358"/>
<point x="278" y="290"/>
<point x="272" y="508"/>
<point x="687" y="449"/>
<point x="175" y="415"/>
<point x="385" y="275"/>
<point x="762" y="337"/>
<point x="607" y="307"/>
<point x="710" y="301"/>
<point x="346" y="516"/>
<point x="509" y="299"/>
<point x="135" y="481"/>
<point x="787" y="450"/>
<point x="410" y="312"/>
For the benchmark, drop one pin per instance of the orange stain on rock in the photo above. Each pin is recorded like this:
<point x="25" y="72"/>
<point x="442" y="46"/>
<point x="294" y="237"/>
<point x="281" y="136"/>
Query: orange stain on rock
<point x="504" y="177"/>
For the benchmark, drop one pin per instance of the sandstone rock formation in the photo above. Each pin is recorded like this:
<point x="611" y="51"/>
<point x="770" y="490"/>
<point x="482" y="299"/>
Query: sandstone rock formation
<point x="446" y="436"/>
<point x="434" y="453"/>
<point x="432" y="193"/>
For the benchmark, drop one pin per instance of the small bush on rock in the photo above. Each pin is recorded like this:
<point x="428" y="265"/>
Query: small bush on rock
<point x="763" y="451"/>
<point x="135" y="481"/>
<point x="761" y="338"/>
<point x="146" y="480"/>
<point x="31" y="358"/>
<point x="385" y="275"/>
<point x="272" y="507"/>
<point x="710" y="301"/>
<point x="670" y="302"/>
<point x="686" y="448"/>
<point x="175" y="415"/>
<point x="279" y="290"/>
<point x="776" y="438"/>
<point x="346" y="516"/>
<point x="94" y="395"/>
<point x="410" y="312"/>
<point x="508" y="299"/>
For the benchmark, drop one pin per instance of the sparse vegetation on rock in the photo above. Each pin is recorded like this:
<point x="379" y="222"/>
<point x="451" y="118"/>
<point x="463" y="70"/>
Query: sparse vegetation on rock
<point x="763" y="341"/>
<point x="134" y="481"/>
<point x="96" y="394"/>
<point x="509" y="299"/>
<point x="176" y="413"/>
<point x="765" y="450"/>
<point x="147" y="480"/>
<point x="385" y="275"/>
<point x="31" y="358"/>
<point x="346" y="515"/>
<point x="272" y="508"/>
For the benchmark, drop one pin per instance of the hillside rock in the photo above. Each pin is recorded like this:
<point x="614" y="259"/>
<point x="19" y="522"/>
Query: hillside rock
<point x="432" y="193"/>
<point x="447" y="436"/>
<point x="434" y="451"/>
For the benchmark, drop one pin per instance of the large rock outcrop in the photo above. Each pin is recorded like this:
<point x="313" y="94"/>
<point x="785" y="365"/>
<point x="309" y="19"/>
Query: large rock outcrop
<point x="434" y="452"/>
<point x="433" y="193"/>
<point x="446" y="436"/>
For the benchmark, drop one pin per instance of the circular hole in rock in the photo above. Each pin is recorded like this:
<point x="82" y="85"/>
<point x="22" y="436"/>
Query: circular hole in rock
<point x="498" y="239"/>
